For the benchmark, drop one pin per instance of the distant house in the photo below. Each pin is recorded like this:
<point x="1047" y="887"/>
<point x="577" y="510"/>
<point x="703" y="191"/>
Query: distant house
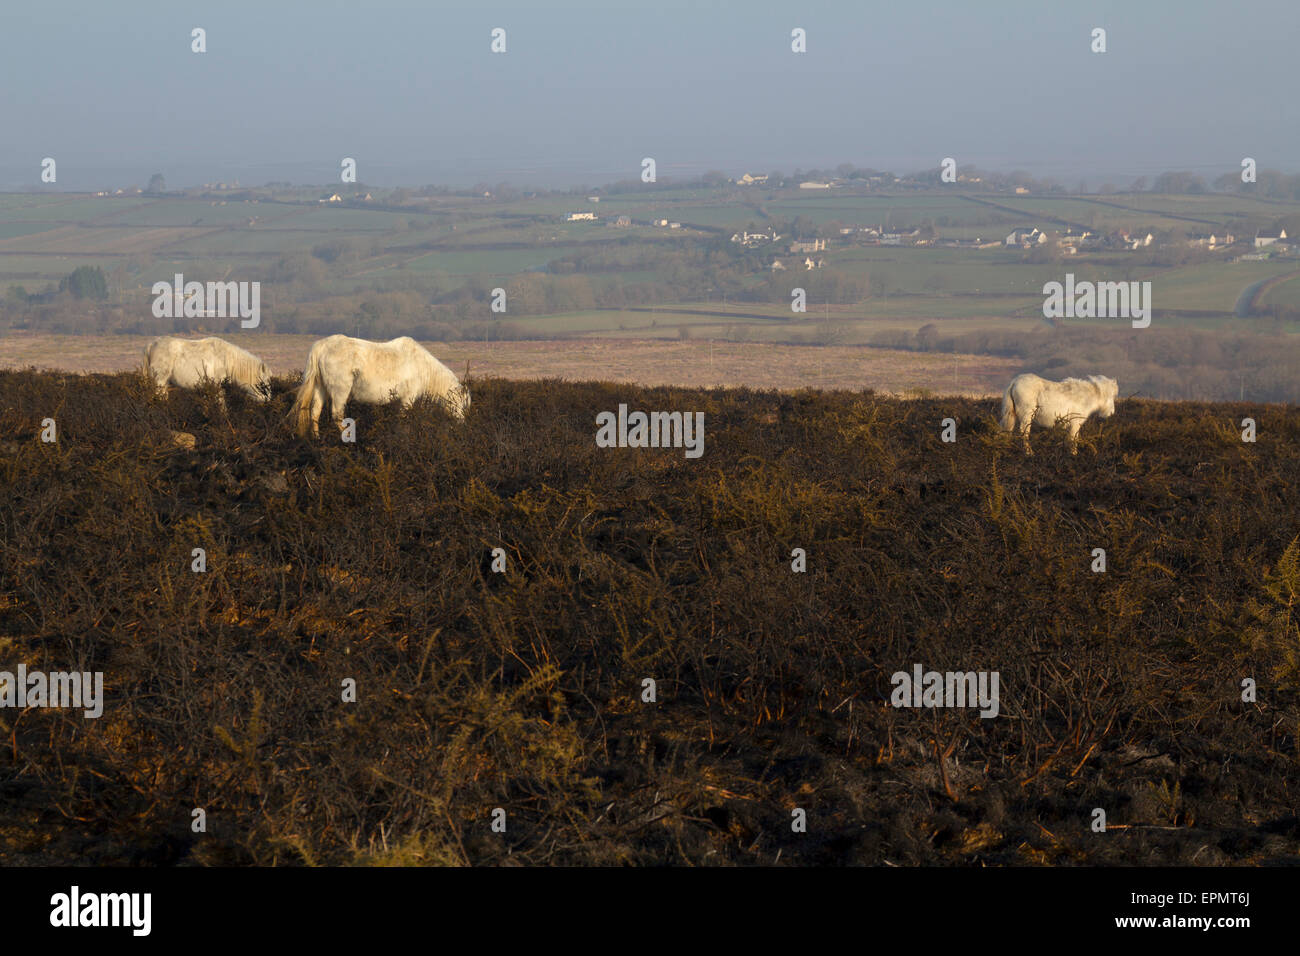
<point x="579" y="216"/>
<point x="747" y="238"/>
<point x="1210" y="240"/>
<point x="1026" y="237"/>
<point x="1126" y="240"/>
<point x="810" y="263"/>
<point x="661" y="222"/>
<point x="331" y="197"/>
<point x="1021" y="190"/>
<point x="674" y="225"/>
<point x="623" y="221"/>
<point x="1268" y="237"/>
<point x="750" y="180"/>
<point x="1072" y="238"/>
<point x="776" y="266"/>
<point x="815" y="245"/>
<point x="814" y="185"/>
<point x="593" y="199"/>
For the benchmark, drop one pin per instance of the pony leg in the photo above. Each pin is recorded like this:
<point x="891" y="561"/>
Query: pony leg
<point x="317" y="406"/>
<point x="1024" y="435"/>
<point x="338" y="402"/>
<point x="1073" y="435"/>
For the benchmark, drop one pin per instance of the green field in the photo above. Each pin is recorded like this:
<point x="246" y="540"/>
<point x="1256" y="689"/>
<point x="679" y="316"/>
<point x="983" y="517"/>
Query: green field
<point x="1286" y="294"/>
<point x="441" y="245"/>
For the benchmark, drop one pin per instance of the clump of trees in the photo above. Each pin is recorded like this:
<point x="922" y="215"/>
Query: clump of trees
<point x="86" y="282"/>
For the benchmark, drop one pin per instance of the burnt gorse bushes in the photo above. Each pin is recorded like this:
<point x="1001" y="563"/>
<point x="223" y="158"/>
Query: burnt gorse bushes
<point x="463" y="642"/>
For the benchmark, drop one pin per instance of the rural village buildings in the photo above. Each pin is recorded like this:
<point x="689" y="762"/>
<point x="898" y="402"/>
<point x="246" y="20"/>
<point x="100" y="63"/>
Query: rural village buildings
<point x="750" y="239"/>
<point x="1127" y="240"/>
<point x="1026" y="236"/>
<point x="808" y="263"/>
<point x="815" y="245"/>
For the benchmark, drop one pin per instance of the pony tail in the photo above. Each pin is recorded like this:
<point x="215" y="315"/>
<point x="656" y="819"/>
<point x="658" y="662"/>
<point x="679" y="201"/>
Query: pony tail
<point x="1008" y="418"/>
<point x="300" y="413"/>
<point x="149" y="366"/>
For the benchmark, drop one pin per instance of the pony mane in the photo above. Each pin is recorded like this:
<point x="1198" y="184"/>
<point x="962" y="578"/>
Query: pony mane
<point x="435" y="378"/>
<point x="242" y="366"/>
<point x="1101" y="382"/>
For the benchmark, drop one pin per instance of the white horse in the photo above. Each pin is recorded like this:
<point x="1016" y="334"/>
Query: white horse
<point x="339" y="368"/>
<point x="188" y="362"/>
<point x="1030" y="400"/>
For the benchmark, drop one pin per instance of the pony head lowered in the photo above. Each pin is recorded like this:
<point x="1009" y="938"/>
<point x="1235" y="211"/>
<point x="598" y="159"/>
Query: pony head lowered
<point x="1109" y="389"/>
<point x="458" y="401"/>
<point x="440" y="384"/>
<point x="244" y="369"/>
<point x="250" y="372"/>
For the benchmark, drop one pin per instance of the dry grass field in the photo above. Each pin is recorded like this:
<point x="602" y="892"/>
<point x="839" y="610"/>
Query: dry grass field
<point x="694" y="363"/>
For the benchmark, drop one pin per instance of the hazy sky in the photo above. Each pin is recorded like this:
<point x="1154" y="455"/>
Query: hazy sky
<point x="586" y="89"/>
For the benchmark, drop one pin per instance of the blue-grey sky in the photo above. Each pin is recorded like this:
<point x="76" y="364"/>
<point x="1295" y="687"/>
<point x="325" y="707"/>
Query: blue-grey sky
<point x="586" y="89"/>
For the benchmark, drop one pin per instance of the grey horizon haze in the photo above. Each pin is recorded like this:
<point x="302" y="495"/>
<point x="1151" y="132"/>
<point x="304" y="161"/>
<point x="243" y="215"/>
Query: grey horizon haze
<point x="586" y="89"/>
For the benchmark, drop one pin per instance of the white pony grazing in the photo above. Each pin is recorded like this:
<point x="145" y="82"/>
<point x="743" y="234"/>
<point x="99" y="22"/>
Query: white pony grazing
<point x="188" y="362"/>
<point x="340" y="367"/>
<point x="1030" y="400"/>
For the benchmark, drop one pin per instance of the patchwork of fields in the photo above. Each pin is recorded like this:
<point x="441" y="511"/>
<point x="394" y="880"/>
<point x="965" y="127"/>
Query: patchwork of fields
<point x="460" y="239"/>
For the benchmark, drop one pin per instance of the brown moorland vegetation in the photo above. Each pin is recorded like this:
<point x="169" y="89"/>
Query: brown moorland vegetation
<point x="522" y="690"/>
